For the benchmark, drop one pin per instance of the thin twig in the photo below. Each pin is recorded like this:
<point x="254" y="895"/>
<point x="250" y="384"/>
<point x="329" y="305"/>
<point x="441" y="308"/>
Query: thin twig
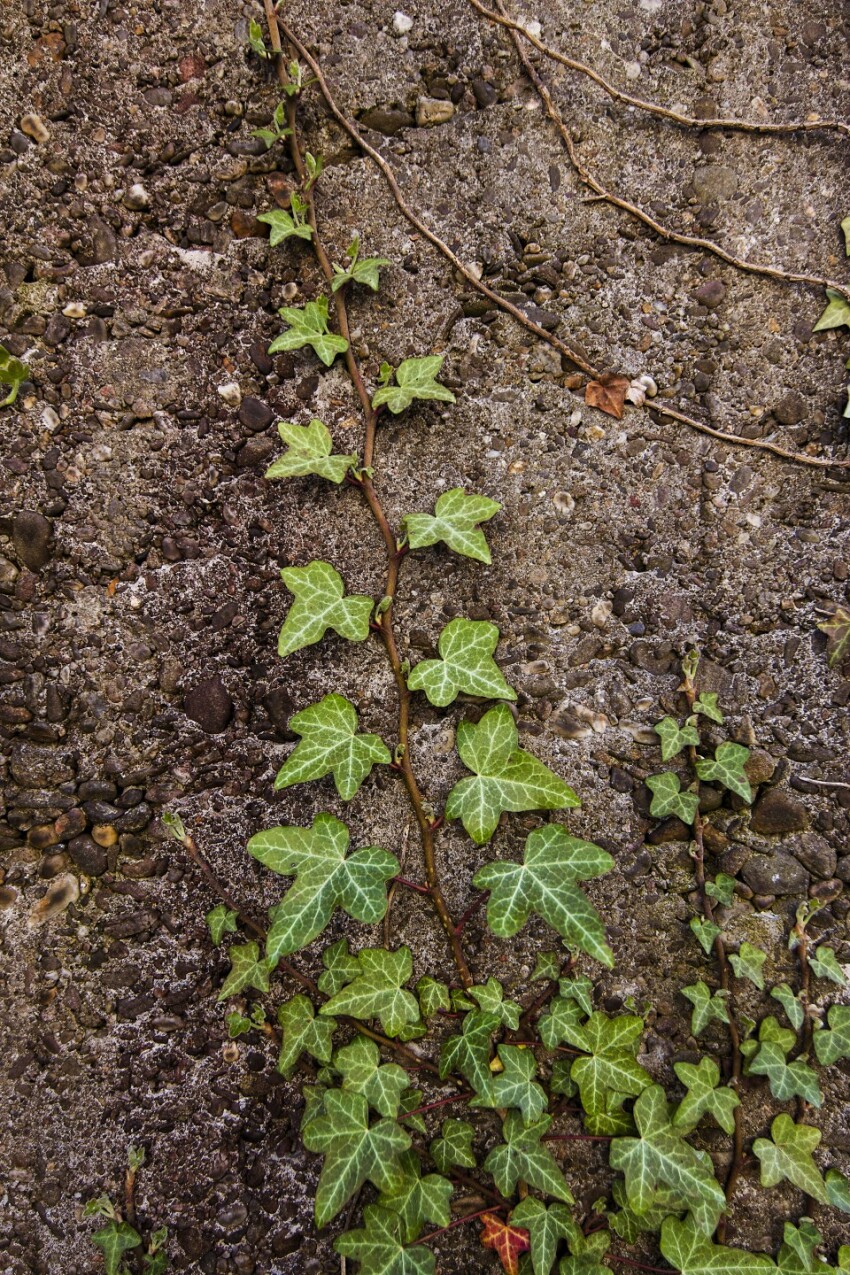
<point x="460" y="1221"/>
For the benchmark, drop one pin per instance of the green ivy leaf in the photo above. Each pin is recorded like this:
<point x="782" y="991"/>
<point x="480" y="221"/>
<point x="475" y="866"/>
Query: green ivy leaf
<point x="548" y="965"/>
<point x="668" y="798"/>
<point x="787" y="1080"/>
<point x="705" y="932"/>
<point x="310" y="449"/>
<point x="516" y="1085"/>
<point x="330" y="744"/>
<point x="454" y="521"/>
<point x="707" y="705"/>
<point x="722" y="889"/>
<point x="454" y="1146"/>
<point x="469" y="1053"/>
<point x="554" y="862"/>
<point x="433" y="996"/>
<point x="379" y="1249"/>
<point x="748" y="962"/>
<point x="793" y="1006"/>
<point x="303" y="1033"/>
<point x="325" y="879"/>
<point x="727" y="768"/>
<point x="418" y="1199"/>
<point x="220" y="921"/>
<point x="466" y="664"/>
<point x="285" y="225"/>
<point x="247" y="970"/>
<point x="838" y="1190"/>
<point x="559" y="1023"/>
<point x="823" y="964"/>
<point x="522" y="1157"/>
<point x="238" y="1025"/>
<point x="704" y="1097"/>
<point x="836" y="314"/>
<point x="359" y="1064"/>
<point x="837" y="629"/>
<point x="320" y="604"/>
<point x="788" y="1157"/>
<point x="340" y="968"/>
<point x="707" y="1006"/>
<point x="545" y="1226"/>
<point x="661" y="1157"/>
<point x="410" y="1100"/>
<point x="611" y="1067"/>
<point x="688" y="1250"/>
<point x="629" y="1225"/>
<point x="491" y="998"/>
<point x="834" y="1044"/>
<point x="115" y="1239"/>
<point x="12" y="372"/>
<point x="506" y="778"/>
<point x="798" y="1253"/>
<point x="255" y="39"/>
<point x="587" y="1254"/>
<point x="377" y="991"/>
<point x="675" y="737"/>
<point x="363" y="270"/>
<point x="308" y="325"/>
<point x="354" y="1152"/>
<point x="415" y="378"/>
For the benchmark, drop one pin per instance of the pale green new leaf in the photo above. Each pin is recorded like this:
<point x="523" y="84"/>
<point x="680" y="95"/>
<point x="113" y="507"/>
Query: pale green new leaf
<point x="515" y="1086"/>
<point x="791" y="1003"/>
<point x="321" y="604"/>
<point x="284" y="225"/>
<point x="748" y="962"/>
<point x="221" y="920"/>
<point x="707" y="1005"/>
<point x="247" y="970"/>
<point x="545" y="1226"/>
<point x="611" y="1067"/>
<point x="454" y="1146"/>
<point x="787" y="1080"/>
<point x="522" y="1157"/>
<point x="798" y="1253"/>
<point x="325" y="879"/>
<point x="587" y="1255"/>
<point x="505" y="778"/>
<point x="823" y="964"/>
<point x="415" y="378"/>
<point x="466" y="665"/>
<point x="491" y="998"/>
<point x="454" y="521"/>
<point x="469" y="1053"/>
<point x="705" y="932"/>
<point x="675" y="737"/>
<point x="546" y="881"/>
<point x="669" y="799"/>
<point x="417" y="1199"/>
<point x="308" y="325"/>
<point x="303" y="1033"/>
<point x="691" y="1252"/>
<point x="12" y="372"/>
<point x="330" y="744"/>
<point x="255" y="39"/>
<point x="378" y="992"/>
<point x="836" y="314"/>
<point x="359" y="1064"/>
<point x="838" y="1190"/>
<point x="707" y="705"/>
<point x="309" y="451"/>
<point x="835" y="1043"/>
<point x="788" y="1157"/>
<point x="354" y="1152"/>
<point x="114" y="1240"/>
<point x="661" y="1157"/>
<point x="705" y="1096"/>
<point x="433" y="996"/>
<point x="379" y="1248"/>
<point x="727" y="768"/>
<point x="721" y="889"/>
<point x="363" y="270"/>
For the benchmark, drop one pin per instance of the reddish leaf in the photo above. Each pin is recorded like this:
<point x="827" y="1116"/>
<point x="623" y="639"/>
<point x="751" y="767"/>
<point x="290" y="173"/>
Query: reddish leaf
<point x="508" y="1241"/>
<point x="608" y="393"/>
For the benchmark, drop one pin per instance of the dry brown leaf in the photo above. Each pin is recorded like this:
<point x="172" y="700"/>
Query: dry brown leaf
<point x="608" y="393"/>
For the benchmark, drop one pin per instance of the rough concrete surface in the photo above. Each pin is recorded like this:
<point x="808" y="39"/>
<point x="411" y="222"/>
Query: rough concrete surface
<point x="140" y="546"/>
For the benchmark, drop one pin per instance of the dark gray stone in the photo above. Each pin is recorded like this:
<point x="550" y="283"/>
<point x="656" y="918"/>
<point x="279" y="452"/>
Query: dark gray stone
<point x="32" y="534"/>
<point x="209" y="705"/>
<point x="775" y="874"/>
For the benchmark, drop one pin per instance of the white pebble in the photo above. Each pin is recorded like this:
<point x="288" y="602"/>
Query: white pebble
<point x="231" y="393"/>
<point x="402" y="23"/>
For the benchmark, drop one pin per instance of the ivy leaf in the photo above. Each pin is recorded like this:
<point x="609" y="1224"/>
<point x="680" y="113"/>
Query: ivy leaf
<point x="340" y="967"/>
<point x="415" y="378"/>
<point x="787" y="1080"/>
<point x="668" y="798"/>
<point x="707" y="705"/>
<point x="359" y="270"/>
<point x="661" y="1157"/>
<point x="454" y="521"/>
<point x="115" y="1239"/>
<point x="247" y="970"/>
<point x="748" y="962"/>
<point x="789" y="1157"/>
<point x="838" y="1190"/>
<point x="836" y="314"/>
<point x="587" y="1255"/>
<point x="12" y="372"/>
<point x="675" y="737"/>
<point x="466" y="664"/>
<point x="798" y="1252"/>
<point x="705" y="932"/>
<point x="546" y="881"/>
<point x="416" y="1198"/>
<point x="238" y="1025"/>
<point x="548" y="965"/>
<point x="220" y="921"/>
<point x="506" y="778"/>
<point x="359" y="1064"/>
<point x="834" y="1044"/>
<point x="410" y="1100"/>
<point x="722" y="889"/>
<point x="324" y="879"/>
<point x="433" y="996"/>
<point x="522" y="1157"/>
<point x="507" y="1240"/>
<point x="629" y="1225"/>
<point x="515" y="1086"/>
<point x="308" y="325"/>
<point x="837" y="630"/>
<point x="580" y="990"/>
<point x="707" y="1005"/>
<point x="378" y="1248"/>
<point x="693" y="1253"/>
<point x="330" y="744"/>
<point x="454" y="1146"/>
<point x="283" y="225"/>
<point x="704" y="1097"/>
<point x="727" y="767"/>
<point x="559" y="1023"/>
<point x="823" y="964"/>
<point x="303" y="1033"/>
<point x="320" y="604"/>
<point x="469" y="1053"/>
<point x="791" y="1003"/>
<point x="255" y="39"/>
<point x="611" y="1067"/>
<point x="377" y="991"/>
<point x="309" y="451"/>
<point x="545" y="1226"/>
<point x="354" y="1152"/>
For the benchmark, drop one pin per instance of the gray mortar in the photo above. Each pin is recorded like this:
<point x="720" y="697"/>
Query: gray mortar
<point x="111" y="1031"/>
